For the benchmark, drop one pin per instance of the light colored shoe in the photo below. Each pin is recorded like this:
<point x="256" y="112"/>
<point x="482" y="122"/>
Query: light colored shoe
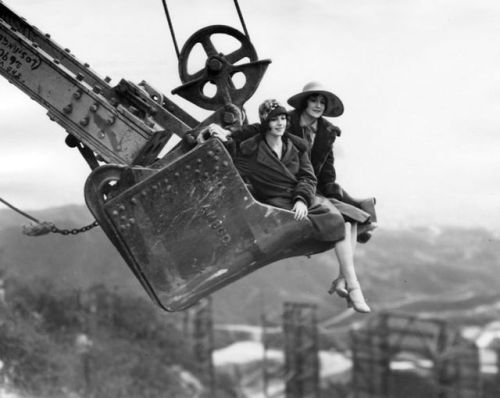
<point x="357" y="300"/>
<point x="339" y="286"/>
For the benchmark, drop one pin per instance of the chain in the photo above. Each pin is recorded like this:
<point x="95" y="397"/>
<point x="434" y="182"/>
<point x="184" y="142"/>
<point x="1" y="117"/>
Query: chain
<point x="44" y="227"/>
<point x="73" y="231"/>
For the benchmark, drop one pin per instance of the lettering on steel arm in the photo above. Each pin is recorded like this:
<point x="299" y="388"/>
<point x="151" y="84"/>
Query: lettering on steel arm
<point x="13" y="58"/>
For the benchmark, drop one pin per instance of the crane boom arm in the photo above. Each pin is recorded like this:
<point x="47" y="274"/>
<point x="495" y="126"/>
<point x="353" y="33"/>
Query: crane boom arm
<point x="127" y="124"/>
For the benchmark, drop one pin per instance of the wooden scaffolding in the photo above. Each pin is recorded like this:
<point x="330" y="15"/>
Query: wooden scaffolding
<point x="301" y="351"/>
<point x="455" y="370"/>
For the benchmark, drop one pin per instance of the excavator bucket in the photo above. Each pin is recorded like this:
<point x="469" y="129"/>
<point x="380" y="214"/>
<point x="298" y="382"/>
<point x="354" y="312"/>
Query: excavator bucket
<point x="186" y="224"/>
<point x="192" y="227"/>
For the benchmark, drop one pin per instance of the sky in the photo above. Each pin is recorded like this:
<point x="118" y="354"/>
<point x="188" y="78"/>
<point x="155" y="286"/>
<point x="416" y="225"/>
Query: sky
<point x="419" y="80"/>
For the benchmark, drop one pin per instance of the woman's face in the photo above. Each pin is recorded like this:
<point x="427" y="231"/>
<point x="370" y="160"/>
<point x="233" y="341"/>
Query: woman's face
<point x="277" y="125"/>
<point x="316" y="105"/>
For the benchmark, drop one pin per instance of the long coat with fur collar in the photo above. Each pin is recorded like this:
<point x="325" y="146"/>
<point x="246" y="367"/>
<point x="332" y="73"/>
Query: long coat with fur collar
<point x="322" y="160"/>
<point x="282" y="182"/>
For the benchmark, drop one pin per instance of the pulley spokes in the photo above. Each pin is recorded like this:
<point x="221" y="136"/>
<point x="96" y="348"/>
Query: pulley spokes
<point x="219" y="70"/>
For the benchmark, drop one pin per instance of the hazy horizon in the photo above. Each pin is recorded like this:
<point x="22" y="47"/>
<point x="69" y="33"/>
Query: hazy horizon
<point x="419" y="82"/>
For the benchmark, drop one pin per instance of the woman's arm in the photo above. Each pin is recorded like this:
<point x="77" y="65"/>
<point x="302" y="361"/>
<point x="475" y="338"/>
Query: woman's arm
<point x="238" y="133"/>
<point x="306" y="185"/>
<point x="327" y="184"/>
<point x="241" y="133"/>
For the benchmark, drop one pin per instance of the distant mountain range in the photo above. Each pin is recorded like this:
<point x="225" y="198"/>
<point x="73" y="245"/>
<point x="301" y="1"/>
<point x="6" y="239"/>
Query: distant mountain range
<point x="446" y="272"/>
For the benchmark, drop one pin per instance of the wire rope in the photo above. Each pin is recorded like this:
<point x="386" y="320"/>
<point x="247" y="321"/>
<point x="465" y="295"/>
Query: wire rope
<point x="171" y="26"/>
<point x="242" y="20"/>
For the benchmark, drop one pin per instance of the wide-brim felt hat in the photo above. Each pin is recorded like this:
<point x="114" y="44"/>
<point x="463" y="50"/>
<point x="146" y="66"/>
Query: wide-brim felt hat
<point x="334" y="106"/>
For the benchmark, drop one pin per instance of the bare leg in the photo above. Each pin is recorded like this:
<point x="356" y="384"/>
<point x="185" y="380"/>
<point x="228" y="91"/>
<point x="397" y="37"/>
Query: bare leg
<point x="343" y="250"/>
<point x="345" y="256"/>
<point x="353" y="236"/>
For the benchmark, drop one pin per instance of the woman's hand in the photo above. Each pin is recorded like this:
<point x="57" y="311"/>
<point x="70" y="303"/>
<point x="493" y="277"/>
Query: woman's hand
<point x="300" y="210"/>
<point x="213" y="130"/>
<point x="219" y="132"/>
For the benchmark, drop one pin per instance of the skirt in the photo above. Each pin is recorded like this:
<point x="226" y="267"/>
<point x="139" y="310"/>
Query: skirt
<point x="327" y="221"/>
<point x="353" y="213"/>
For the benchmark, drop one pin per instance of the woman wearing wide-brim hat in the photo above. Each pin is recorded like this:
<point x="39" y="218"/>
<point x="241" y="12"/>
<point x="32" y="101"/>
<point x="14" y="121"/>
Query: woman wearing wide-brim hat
<point x="277" y="165"/>
<point x="307" y="120"/>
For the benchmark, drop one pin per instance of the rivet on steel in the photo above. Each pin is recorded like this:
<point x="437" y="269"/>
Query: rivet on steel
<point x="86" y="65"/>
<point x="107" y="79"/>
<point x="94" y="107"/>
<point x="121" y="208"/>
<point x="77" y="94"/>
<point x="111" y="120"/>
<point x="84" y="121"/>
<point x="225" y="163"/>
<point x="131" y="220"/>
<point x="56" y="61"/>
<point x="115" y="212"/>
<point x="177" y="175"/>
<point x="67" y="50"/>
<point x="97" y="89"/>
<point x="210" y="153"/>
<point x="47" y="35"/>
<point x="198" y="160"/>
<point x="68" y="108"/>
<point x="102" y="134"/>
<point x="134" y="201"/>
<point x="80" y="77"/>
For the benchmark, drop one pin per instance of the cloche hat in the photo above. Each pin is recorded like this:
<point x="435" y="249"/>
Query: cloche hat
<point x="334" y="106"/>
<point x="270" y="108"/>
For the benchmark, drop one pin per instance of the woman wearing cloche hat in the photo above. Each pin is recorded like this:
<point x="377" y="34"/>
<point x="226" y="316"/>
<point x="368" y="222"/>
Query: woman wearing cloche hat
<point x="277" y="165"/>
<point x="307" y="120"/>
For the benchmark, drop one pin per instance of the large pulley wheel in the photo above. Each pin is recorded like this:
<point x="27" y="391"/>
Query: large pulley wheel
<point x="219" y="69"/>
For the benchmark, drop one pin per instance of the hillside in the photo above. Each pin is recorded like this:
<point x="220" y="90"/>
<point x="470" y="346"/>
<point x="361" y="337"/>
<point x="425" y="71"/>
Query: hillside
<point x="438" y="271"/>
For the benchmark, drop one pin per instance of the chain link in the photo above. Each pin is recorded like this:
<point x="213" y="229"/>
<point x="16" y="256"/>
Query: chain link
<point x="73" y="231"/>
<point x="44" y="227"/>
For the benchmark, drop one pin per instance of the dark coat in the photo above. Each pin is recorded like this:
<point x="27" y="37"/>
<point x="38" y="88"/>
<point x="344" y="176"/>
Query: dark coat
<point x="322" y="160"/>
<point x="292" y="177"/>
<point x="282" y="182"/>
<point x="321" y="154"/>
